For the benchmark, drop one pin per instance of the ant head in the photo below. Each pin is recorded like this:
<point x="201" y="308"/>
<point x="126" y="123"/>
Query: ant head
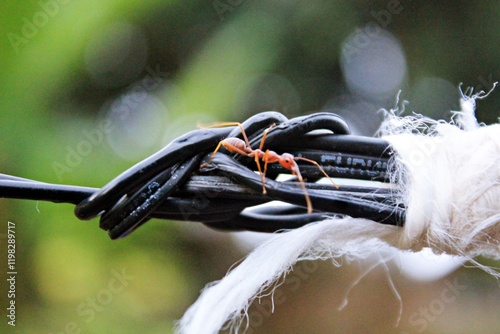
<point x="287" y="161"/>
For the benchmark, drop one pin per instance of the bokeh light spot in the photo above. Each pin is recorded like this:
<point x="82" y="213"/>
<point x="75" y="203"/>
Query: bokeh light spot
<point x="373" y="64"/>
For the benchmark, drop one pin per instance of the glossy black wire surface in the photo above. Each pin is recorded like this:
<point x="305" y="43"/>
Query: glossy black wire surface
<point x="171" y="185"/>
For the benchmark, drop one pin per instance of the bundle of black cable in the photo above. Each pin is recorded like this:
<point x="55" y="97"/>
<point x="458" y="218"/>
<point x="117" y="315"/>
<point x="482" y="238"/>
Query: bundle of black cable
<point x="171" y="185"/>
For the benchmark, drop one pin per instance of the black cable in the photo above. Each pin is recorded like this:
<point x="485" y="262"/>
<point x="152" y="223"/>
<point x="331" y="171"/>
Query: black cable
<point x="192" y="143"/>
<point x="12" y="187"/>
<point x="171" y="185"/>
<point x="136" y="209"/>
<point x="324" y="197"/>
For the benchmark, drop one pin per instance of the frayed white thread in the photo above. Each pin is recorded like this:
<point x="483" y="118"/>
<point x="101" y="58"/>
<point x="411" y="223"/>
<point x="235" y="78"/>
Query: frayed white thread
<point x="382" y="261"/>
<point x="450" y="181"/>
<point x="449" y="177"/>
<point x="229" y="299"/>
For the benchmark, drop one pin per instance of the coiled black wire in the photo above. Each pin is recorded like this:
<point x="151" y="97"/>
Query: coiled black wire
<point x="171" y="185"/>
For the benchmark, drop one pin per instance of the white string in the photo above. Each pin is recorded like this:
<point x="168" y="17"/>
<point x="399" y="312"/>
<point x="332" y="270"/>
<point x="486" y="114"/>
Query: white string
<point x="230" y="297"/>
<point x="450" y="184"/>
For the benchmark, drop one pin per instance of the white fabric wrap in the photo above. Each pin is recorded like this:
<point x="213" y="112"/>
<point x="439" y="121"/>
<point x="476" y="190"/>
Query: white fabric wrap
<point x="449" y="181"/>
<point x="451" y="189"/>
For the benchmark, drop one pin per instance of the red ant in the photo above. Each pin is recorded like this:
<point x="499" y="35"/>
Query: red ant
<point x="286" y="160"/>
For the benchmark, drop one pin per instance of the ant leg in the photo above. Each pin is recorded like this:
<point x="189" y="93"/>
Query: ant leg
<point x="234" y="145"/>
<point x="268" y="157"/>
<point x="320" y="168"/>
<point x="262" y="175"/>
<point x="266" y="161"/>
<point x="213" y="154"/>
<point x="295" y="171"/>
<point x="264" y="156"/>
<point x="227" y="145"/>
<point x="243" y="133"/>
<point x="238" y="124"/>
<point x="264" y="135"/>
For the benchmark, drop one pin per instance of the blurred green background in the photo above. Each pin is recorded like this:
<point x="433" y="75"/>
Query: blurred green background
<point x="128" y="77"/>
